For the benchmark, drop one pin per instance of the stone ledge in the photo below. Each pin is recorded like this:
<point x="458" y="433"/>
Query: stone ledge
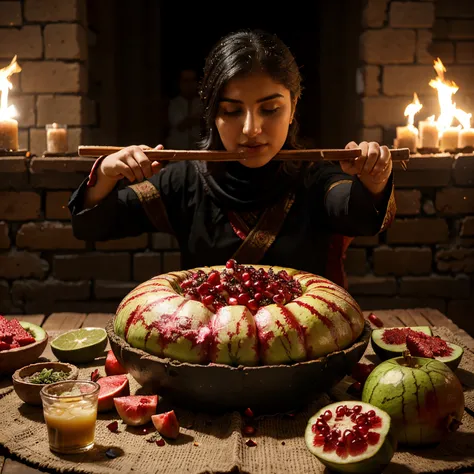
<point x="13" y="164"/>
<point x="61" y="165"/>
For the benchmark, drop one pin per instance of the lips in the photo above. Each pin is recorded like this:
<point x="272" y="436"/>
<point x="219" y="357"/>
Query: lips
<point x="253" y="148"/>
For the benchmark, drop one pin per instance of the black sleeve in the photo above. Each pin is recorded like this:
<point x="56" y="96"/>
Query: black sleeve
<point x="158" y="204"/>
<point x="351" y="209"/>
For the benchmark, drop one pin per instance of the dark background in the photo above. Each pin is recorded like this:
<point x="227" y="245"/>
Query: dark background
<point x="137" y="49"/>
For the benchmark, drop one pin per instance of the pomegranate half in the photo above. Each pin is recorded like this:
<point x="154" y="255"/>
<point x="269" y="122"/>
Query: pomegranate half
<point x="351" y="436"/>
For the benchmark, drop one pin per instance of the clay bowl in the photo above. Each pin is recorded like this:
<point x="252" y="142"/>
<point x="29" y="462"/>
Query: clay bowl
<point x="14" y="359"/>
<point x="217" y="387"/>
<point x="30" y="392"/>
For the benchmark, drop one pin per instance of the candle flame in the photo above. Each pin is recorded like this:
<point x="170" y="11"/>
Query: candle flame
<point x="7" y="111"/>
<point x="412" y="109"/>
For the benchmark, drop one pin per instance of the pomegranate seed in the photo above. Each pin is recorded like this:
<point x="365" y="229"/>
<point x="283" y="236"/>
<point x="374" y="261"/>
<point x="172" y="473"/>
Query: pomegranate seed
<point x="373" y="437"/>
<point x="361" y="429"/>
<point x="248" y="284"/>
<point x="245" y="276"/>
<point x="248" y="412"/>
<point x="243" y="298"/>
<point x="357" y="408"/>
<point x="327" y="415"/>
<point x="375" y="320"/>
<point x="220" y="288"/>
<point x="230" y="263"/>
<point x="233" y="301"/>
<point x="249" y="430"/>
<point x="341" y="410"/>
<point x="204" y="289"/>
<point x="357" y="446"/>
<point x="371" y="413"/>
<point x="160" y="442"/>
<point x="341" y="450"/>
<point x="251" y="443"/>
<point x="252" y="305"/>
<point x="258" y="296"/>
<point x="214" y="278"/>
<point x="319" y="440"/>
<point x="208" y="300"/>
<point x="279" y="299"/>
<point x="348" y="436"/>
<point x="329" y="447"/>
<point x="95" y="375"/>
<point x="361" y="419"/>
<point x="113" y="426"/>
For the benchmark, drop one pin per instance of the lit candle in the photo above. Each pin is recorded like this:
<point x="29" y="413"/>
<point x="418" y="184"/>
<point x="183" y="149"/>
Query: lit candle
<point x="449" y="139"/>
<point x="8" y="134"/>
<point x="429" y="135"/>
<point x="407" y="137"/>
<point x="56" y="138"/>
<point x="466" y="138"/>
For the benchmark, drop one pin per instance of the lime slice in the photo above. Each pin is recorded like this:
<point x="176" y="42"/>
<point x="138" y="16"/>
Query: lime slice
<point x="80" y="346"/>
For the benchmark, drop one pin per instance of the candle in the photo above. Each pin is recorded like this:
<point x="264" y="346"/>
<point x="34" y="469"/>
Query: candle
<point x="429" y="135"/>
<point x="407" y="137"/>
<point x="56" y="138"/>
<point x="9" y="134"/>
<point x="449" y="139"/>
<point x="466" y="138"/>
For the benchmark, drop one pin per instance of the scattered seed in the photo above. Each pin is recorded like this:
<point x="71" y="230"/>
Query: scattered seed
<point x="251" y="443"/>
<point x="113" y="426"/>
<point x="283" y="443"/>
<point x="196" y="443"/>
<point x="248" y="412"/>
<point x="249" y="430"/>
<point x="95" y="375"/>
<point x="110" y="453"/>
<point x="160" y="442"/>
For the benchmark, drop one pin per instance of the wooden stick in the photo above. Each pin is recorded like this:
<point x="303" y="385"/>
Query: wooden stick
<point x="398" y="154"/>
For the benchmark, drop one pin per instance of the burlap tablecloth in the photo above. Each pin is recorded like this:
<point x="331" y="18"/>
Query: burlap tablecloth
<point x="215" y="443"/>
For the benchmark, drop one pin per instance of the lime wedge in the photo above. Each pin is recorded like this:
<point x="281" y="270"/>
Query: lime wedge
<point x="80" y="346"/>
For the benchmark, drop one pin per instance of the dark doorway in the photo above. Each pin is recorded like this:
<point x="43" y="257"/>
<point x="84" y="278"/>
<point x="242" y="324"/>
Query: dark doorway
<point x="189" y="30"/>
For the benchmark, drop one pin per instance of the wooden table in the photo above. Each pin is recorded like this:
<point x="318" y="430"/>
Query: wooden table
<point x="60" y="322"/>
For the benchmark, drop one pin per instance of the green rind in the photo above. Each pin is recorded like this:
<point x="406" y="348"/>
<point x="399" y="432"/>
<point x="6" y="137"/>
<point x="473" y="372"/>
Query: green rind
<point x="36" y="331"/>
<point x="410" y="396"/>
<point x="82" y="355"/>
<point x="454" y="359"/>
<point x="386" y="351"/>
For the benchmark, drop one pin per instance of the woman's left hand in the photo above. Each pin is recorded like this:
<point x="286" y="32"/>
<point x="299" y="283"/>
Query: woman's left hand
<point x="373" y="167"/>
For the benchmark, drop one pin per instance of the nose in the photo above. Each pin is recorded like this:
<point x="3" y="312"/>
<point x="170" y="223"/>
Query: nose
<point x="252" y="125"/>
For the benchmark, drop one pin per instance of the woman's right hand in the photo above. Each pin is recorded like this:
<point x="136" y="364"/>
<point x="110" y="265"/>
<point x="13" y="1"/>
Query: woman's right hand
<point x="131" y="163"/>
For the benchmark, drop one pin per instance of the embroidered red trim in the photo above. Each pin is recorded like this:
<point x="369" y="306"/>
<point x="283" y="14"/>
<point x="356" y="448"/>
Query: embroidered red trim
<point x="93" y="173"/>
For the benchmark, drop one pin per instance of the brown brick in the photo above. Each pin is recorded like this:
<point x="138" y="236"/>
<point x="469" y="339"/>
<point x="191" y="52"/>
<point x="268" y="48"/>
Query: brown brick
<point x="402" y="260"/>
<point x="52" y="10"/>
<point x="6" y="304"/>
<point x="20" y="206"/>
<point x="408" y="202"/>
<point x="4" y="238"/>
<point x="25" y="105"/>
<point x="424" y="39"/>
<point x="171" y="261"/>
<point x="37" y="141"/>
<point x="10" y="14"/>
<point x="435" y="285"/>
<point x="374" y="134"/>
<point x="47" y="235"/>
<point x="355" y="262"/>
<point x="53" y="77"/>
<point x="456" y="259"/>
<point x="25" y="42"/>
<point x="372" y="303"/>
<point x="61" y="109"/>
<point x="467" y="227"/>
<point x="38" y="144"/>
<point x="460" y="312"/>
<point x="127" y="243"/>
<point x="56" y="205"/>
<point x="371" y="78"/>
<point x="411" y="14"/>
<point x="92" y="265"/>
<point x="65" y="306"/>
<point x="147" y="265"/>
<point x="419" y="179"/>
<point x="375" y="13"/>
<point x="460" y="29"/>
<point x="388" y="46"/>
<point x="462" y="75"/>
<point x="451" y="201"/>
<point x="107" y="290"/>
<point x="454" y="9"/>
<point x="384" y="111"/>
<point x="22" y="265"/>
<point x="365" y="241"/>
<point x="23" y="139"/>
<point x="50" y="290"/>
<point x="463" y="172"/>
<point x="465" y="52"/>
<point x="162" y="241"/>
<point x="443" y="50"/>
<point x="65" y="41"/>
<point x="418" y="231"/>
<point x="372" y="285"/>
<point x="404" y="80"/>
<point x="14" y="173"/>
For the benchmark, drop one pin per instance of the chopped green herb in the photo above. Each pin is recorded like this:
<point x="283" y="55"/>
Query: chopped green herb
<point x="47" y="376"/>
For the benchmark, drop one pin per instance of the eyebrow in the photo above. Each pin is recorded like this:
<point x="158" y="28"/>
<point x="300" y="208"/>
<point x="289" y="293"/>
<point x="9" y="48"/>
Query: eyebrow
<point x="263" y="99"/>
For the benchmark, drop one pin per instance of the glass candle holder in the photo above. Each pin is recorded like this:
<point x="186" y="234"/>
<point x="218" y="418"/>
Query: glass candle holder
<point x="70" y="413"/>
<point x="56" y="138"/>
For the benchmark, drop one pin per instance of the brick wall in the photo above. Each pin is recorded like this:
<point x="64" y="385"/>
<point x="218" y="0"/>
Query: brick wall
<point x="50" y="39"/>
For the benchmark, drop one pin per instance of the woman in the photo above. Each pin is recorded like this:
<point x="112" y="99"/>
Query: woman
<point x="257" y="210"/>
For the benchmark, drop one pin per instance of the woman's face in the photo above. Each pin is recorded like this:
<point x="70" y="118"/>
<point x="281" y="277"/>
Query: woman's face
<point x="253" y="117"/>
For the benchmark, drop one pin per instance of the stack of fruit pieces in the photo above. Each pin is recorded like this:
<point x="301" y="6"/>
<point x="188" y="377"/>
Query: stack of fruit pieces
<point x="13" y="334"/>
<point x="412" y="398"/>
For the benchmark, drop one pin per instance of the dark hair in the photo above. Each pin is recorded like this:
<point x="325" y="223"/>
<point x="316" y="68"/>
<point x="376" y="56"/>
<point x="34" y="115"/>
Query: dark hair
<point x="241" y="53"/>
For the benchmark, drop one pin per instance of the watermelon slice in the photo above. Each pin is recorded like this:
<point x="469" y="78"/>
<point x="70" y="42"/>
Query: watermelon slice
<point x="112" y="365"/>
<point x="136" y="410"/>
<point x="166" y="424"/>
<point x="111" y="387"/>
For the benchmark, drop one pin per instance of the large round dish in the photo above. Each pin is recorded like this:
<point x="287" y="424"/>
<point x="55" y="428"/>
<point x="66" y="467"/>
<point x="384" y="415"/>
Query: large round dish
<point x="219" y="387"/>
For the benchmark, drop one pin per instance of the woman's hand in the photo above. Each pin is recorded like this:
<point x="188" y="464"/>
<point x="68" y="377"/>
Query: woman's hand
<point x="131" y="163"/>
<point x="373" y="167"/>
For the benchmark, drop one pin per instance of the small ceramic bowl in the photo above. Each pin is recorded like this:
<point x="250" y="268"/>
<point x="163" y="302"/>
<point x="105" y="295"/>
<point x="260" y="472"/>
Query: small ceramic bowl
<point x="30" y="392"/>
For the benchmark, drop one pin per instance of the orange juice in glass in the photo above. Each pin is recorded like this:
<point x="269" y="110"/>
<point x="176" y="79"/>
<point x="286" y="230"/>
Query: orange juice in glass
<point x="70" y="413"/>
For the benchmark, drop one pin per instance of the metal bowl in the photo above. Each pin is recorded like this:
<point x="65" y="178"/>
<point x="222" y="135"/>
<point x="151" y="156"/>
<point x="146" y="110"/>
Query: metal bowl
<point x="219" y="387"/>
